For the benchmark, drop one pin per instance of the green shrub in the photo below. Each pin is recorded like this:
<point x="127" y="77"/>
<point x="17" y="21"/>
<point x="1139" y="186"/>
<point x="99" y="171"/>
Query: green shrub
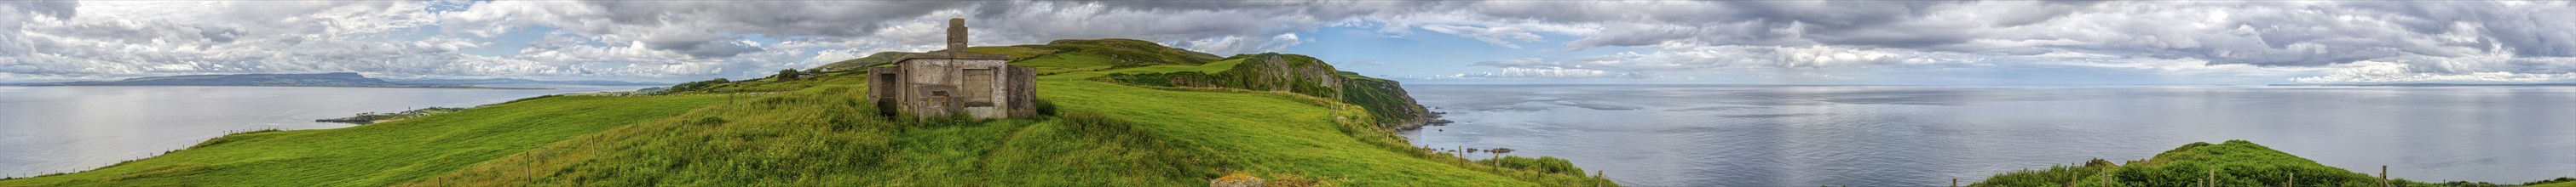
<point x="1543" y="164"/>
<point x="2556" y="180"/>
<point x="1044" y="107"/>
<point x="708" y="120"/>
<point x="694" y="86"/>
<point x="785" y="75"/>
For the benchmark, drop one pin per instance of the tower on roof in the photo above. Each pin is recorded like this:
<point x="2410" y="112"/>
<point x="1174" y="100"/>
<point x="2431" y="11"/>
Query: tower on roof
<point x="957" y="34"/>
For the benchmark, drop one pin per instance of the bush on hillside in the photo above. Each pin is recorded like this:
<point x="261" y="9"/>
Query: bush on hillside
<point x="785" y="75"/>
<point x="1044" y="107"/>
<point x="2556" y="180"/>
<point x="694" y="86"/>
<point x="1543" y="164"/>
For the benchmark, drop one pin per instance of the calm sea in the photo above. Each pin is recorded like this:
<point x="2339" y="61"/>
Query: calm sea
<point x="1720" y="135"/>
<point x="66" y="129"/>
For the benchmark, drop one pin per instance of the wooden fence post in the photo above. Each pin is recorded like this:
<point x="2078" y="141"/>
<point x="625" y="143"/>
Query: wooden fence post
<point x="2106" y="177"/>
<point x="2383" y="175"/>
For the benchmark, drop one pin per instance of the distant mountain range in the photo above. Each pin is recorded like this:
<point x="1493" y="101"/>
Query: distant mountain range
<point x="317" y="80"/>
<point x="2435" y="84"/>
<point x="523" y="81"/>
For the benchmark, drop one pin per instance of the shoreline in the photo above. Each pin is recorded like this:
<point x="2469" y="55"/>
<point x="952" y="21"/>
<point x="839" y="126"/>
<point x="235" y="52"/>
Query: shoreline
<point x="416" y="87"/>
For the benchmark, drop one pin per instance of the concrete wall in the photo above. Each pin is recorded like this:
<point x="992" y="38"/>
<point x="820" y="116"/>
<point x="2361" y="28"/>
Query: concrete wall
<point x="998" y="87"/>
<point x="883" y="88"/>
<point x="931" y="87"/>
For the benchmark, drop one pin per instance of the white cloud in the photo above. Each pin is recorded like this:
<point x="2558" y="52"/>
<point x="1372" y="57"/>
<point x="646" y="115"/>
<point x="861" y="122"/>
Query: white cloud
<point x="1499" y="36"/>
<point x="1725" y="58"/>
<point x="14" y="15"/>
<point x="1548" y="72"/>
<point x="2389" y="72"/>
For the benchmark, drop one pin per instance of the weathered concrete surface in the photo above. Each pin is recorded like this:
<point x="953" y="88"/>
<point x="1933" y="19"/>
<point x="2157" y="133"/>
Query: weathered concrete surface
<point x="953" y="81"/>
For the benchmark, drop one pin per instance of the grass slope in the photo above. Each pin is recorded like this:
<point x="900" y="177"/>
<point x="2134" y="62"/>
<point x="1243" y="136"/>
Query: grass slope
<point x="1062" y="56"/>
<point x="2558" y="184"/>
<point x="817" y="131"/>
<point x="2231" y="163"/>
<point x="873" y="59"/>
<point x="379" y="154"/>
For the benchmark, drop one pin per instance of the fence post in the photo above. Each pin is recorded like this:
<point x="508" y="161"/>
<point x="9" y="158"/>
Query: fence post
<point x="2212" y="179"/>
<point x="2383" y="175"/>
<point x="2106" y="177"/>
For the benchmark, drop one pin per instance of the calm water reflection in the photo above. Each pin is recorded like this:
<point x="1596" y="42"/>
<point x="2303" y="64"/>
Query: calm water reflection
<point x="1700" y="135"/>
<point x="64" y="129"/>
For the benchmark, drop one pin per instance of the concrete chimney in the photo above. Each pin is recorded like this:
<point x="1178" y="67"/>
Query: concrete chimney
<point x="957" y="34"/>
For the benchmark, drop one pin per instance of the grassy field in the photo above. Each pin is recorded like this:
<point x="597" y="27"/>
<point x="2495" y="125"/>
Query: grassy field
<point x="817" y="131"/>
<point x="2559" y="184"/>
<point x="383" y="153"/>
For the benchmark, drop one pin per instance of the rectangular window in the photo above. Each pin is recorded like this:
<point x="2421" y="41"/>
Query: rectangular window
<point x="976" y="87"/>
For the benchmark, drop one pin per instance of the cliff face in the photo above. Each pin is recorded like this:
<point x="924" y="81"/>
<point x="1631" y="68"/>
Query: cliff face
<point x="1284" y="73"/>
<point x="1302" y="75"/>
<point x="1385" y="98"/>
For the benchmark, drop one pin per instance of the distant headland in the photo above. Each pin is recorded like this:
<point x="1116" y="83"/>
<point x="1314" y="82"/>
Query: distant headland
<point x="2435" y="84"/>
<point x="295" y="80"/>
<point x="342" y="79"/>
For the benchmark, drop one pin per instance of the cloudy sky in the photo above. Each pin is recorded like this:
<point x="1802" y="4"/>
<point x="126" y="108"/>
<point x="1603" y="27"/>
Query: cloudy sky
<point x="1719" y="42"/>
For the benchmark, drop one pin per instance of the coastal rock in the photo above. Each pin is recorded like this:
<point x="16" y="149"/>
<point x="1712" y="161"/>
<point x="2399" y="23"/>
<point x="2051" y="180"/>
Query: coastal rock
<point x="1236" y="180"/>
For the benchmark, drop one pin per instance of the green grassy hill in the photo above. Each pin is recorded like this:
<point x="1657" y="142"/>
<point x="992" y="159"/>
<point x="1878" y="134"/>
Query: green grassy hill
<point x="2231" y="163"/>
<point x="873" y="59"/>
<point x="818" y="131"/>
<point x="1062" y="55"/>
<point x="2559" y="182"/>
<point x="383" y="153"/>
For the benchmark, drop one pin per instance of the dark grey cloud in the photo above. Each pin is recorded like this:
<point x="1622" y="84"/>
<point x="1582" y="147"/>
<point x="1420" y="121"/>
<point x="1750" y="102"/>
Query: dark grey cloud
<point x="15" y="14"/>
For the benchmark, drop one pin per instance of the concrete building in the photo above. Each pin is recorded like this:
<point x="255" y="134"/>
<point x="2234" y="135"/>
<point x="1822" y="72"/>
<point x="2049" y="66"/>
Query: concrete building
<point x="953" y="81"/>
